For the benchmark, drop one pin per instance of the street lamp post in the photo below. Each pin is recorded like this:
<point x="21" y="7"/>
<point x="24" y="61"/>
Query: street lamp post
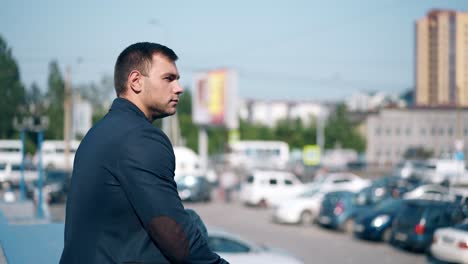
<point x="38" y="125"/>
<point x="22" y="128"/>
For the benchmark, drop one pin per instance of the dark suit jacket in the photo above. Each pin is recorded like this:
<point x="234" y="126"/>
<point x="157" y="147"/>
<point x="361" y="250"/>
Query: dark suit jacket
<point x="123" y="206"/>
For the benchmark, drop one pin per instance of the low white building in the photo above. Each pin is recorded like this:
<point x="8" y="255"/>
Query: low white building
<point x="82" y="116"/>
<point x="270" y="112"/>
<point x="371" y="101"/>
<point x="391" y="132"/>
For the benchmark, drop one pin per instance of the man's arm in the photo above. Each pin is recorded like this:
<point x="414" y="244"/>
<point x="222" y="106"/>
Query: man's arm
<point x="146" y="173"/>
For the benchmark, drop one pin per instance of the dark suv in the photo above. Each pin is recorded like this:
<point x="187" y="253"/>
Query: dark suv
<point x="418" y="219"/>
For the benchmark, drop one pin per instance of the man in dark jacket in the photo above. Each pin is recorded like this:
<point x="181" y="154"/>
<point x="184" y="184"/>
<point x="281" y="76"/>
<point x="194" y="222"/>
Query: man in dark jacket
<point x="123" y="206"/>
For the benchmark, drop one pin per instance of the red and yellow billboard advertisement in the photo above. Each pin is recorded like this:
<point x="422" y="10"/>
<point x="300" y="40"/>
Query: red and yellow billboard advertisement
<point x="214" y="99"/>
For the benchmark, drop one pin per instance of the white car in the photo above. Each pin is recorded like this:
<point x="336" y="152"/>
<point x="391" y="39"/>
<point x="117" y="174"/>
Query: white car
<point x="269" y="187"/>
<point x="235" y="249"/>
<point x="429" y="192"/>
<point x="342" y="181"/>
<point x="302" y="209"/>
<point x="451" y="243"/>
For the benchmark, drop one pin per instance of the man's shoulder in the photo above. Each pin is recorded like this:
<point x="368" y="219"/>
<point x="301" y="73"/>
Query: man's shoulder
<point x="146" y="135"/>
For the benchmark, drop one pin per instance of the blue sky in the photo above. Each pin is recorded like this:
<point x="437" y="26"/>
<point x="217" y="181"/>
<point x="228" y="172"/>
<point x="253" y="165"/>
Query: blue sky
<point x="297" y="50"/>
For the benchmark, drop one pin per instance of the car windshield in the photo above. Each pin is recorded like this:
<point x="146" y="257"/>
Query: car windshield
<point x="411" y="213"/>
<point x="335" y="197"/>
<point x="364" y="197"/>
<point x="226" y="245"/>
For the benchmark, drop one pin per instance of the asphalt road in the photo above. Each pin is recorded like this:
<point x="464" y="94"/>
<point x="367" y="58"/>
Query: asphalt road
<point x="312" y="244"/>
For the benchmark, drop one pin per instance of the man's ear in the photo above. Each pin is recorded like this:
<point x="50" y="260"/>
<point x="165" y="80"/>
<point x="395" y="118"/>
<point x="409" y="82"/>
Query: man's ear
<point x="135" y="81"/>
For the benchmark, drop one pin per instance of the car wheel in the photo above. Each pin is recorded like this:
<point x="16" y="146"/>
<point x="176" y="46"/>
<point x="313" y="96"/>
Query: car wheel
<point x="387" y="235"/>
<point x="348" y="226"/>
<point x="307" y="218"/>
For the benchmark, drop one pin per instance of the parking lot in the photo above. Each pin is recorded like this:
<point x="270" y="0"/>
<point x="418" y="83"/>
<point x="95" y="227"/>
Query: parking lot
<point x="312" y="244"/>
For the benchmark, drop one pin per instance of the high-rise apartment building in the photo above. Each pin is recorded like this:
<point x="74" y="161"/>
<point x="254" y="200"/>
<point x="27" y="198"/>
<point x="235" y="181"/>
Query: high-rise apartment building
<point x="442" y="59"/>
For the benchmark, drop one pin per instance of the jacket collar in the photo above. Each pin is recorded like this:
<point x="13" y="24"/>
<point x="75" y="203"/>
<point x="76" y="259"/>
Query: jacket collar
<point x="122" y="104"/>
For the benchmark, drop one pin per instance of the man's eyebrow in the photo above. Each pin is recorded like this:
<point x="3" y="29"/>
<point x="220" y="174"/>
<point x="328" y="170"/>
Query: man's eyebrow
<point x="172" y="75"/>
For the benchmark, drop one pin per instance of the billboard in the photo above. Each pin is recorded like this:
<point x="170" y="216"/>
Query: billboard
<point x="214" y="100"/>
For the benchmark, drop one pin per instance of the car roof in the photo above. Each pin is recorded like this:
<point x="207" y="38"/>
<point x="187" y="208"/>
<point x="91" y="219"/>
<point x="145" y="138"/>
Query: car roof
<point x="340" y="193"/>
<point x="423" y="202"/>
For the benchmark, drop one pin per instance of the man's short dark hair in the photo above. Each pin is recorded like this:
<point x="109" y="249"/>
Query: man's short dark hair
<point x="137" y="56"/>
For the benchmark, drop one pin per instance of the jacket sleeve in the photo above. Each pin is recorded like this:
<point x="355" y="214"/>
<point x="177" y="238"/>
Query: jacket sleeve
<point x="146" y="173"/>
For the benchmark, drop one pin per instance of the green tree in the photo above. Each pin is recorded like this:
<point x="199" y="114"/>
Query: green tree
<point x="12" y="92"/>
<point x="339" y="131"/>
<point x="55" y="97"/>
<point x="99" y="95"/>
<point x="35" y="101"/>
<point x="249" y="131"/>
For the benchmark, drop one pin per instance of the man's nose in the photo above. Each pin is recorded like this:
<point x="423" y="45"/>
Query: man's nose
<point x="178" y="89"/>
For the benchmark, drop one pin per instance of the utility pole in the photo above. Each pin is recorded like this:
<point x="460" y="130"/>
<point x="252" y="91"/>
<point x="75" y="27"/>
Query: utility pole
<point x="67" y="117"/>
<point x="320" y="133"/>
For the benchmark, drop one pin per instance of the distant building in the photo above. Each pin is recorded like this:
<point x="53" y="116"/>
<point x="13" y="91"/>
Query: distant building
<point x="371" y="101"/>
<point x="442" y="59"/>
<point x="391" y="132"/>
<point x="270" y="112"/>
<point x="82" y="116"/>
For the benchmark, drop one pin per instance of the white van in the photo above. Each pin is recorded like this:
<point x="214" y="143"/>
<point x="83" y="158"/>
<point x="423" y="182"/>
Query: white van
<point x="269" y="187"/>
<point x="53" y="154"/>
<point x="187" y="162"/>
<point x="11" y="151"/>
<point x="439" y="170"/>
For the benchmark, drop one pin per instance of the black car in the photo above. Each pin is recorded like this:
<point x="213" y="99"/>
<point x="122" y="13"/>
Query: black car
<point x="55" y="186"/>
<point x="416" y="222"/>
<point x="194" y="188"/>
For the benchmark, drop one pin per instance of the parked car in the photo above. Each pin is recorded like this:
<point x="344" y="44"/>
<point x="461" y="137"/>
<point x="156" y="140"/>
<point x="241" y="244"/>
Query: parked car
<point x="235" y="249"/>
<point x="395" y="186"/>
<point x="302" y="209"/>
<point x="415" y="224"/>
<point x="269" y="187"/>
<point x="451" y="243"/>
<point x="194" y="188"/>
<point x="339" y="209"/>
<point x="56" y="184"/>
<point x="429" y="192"/>
<point x="341" y="180"/>
<point x="410" y="168"/>
<point x="439" y="171"/>
<point x="336" y="210"/>
<point x="377" y="223"/>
